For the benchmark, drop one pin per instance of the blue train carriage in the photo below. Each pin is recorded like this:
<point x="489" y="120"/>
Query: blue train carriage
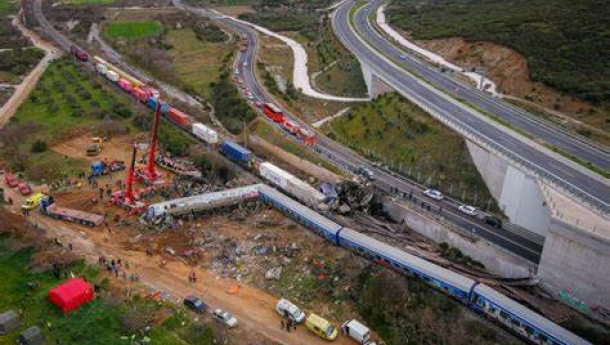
<point x="445" y="280"/>
<point x="302" y="214"/>
<point x="152" y="104"/>
<point x="520" y="319"/>
<point x="236" y="152"/>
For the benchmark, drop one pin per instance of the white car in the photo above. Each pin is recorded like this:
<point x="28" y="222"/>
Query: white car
<point x="403" y="57"/>
<point x="434" y="194"/>
<point x="469" y="210"/>
<point x="225" y="317"/>
<point x="289" y="310"/>
<point x="250" y="96"/>
<point x="246" y="64"/>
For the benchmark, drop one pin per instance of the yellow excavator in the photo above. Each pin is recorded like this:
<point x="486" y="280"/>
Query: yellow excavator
<point x="97" y="146"/>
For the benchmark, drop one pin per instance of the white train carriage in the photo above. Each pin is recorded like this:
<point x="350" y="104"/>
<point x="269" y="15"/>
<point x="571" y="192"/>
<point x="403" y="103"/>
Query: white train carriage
<point x="203" y="202"/>
<point x="520" y="319"/>
<point x="302" y="214"/>
<point x="294" y="186"/>
<point x="445" y="280"/>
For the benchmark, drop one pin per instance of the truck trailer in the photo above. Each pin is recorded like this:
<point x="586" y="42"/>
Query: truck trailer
<point x="49" y="208"/>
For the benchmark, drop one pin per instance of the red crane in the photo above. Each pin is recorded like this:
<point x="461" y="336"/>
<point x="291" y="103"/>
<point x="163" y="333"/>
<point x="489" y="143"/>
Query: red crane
<point x="151" y="174"/>
<point x="128" y="197"/>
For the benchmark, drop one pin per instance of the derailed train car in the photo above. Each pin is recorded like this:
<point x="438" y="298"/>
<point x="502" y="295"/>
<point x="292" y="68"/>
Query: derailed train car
<point x="481" y="298"/>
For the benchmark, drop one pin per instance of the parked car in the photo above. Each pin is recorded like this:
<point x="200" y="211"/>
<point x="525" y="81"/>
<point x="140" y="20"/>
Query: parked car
<point x="321" y="327"/>
<point x="366" y="172"/>
<point x="32" y="202"/>
<point x="11" y="180"/>
<point x="24" y="189"/>
<point x="493" y="221"/>
<point x="258" y="104"/>
<point x="195" y="304"/>
<point x="467" y="209"/>
<point x="434" y="194"/>
<point x="403" y="57"/>
<point x="225" y="317"/>
<point x="289" y="310"/>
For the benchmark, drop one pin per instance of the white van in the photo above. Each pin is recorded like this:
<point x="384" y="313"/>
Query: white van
<point x="287" y="309"/>
<point x="357" y="331"/>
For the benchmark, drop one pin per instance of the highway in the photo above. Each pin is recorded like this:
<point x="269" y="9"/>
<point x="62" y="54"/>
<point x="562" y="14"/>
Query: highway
<point x="513" y="241"/>
<point x="586" y="186"/>
<point x="518" y="118"/>
<point x="349" y="160"/>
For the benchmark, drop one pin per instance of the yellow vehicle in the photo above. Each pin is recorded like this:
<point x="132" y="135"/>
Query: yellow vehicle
<point x="321" y="327"/>
<point x="33" y="201"/>
<point x="99" y="141"/>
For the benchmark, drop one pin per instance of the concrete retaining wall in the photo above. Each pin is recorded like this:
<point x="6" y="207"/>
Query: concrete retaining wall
<point x="575" y="265"/>
<point x="494" y="258"/>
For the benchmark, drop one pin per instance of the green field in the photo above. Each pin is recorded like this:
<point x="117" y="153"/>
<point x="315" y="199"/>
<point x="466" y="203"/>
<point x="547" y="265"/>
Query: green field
<point x="197" y="63"/>
<point x="104" y="321"/>
<point x="131" y="30"/>
<point x="7" y="7"/>
<point x="562" y="40"/>
<point x="66" y="101"/>
<point x="397" y="133"/>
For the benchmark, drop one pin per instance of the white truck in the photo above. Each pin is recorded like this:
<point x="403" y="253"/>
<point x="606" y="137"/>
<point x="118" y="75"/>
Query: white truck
<point x="357" y="331"/>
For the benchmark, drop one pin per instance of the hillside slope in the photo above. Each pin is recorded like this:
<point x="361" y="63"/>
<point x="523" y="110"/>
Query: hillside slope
<point x="565" y="42"/>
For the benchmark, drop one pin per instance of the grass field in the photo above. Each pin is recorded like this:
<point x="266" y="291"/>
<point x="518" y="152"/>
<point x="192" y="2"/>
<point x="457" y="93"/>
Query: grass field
<point x="66" y="101"/>
<point x="271" y="135"/>
<point x="132" y="30"/>
<point x="196" y="63"/>
<point x="7" y="7"/>
<point x="393" y="131"/>
<point x="104" y="321"/>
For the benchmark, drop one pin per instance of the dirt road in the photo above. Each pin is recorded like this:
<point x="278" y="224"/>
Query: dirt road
<point x="253" y="307"/>
<point x="22" y="91"/>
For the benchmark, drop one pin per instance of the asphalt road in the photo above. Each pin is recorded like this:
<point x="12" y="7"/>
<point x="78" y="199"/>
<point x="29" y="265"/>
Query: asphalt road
<point x="524" y="121"/>
<point x="514" y="241"/>
<point x="576" y="180"/>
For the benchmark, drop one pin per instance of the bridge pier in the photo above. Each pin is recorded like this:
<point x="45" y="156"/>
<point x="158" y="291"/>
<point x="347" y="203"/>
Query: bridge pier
<point x="375" y="86"/>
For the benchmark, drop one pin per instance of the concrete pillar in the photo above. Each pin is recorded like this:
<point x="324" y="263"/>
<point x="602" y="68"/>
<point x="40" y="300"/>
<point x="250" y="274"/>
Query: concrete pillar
<point x="575" y="266"/>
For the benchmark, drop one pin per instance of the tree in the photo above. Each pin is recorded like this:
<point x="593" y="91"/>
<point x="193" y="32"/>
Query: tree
<point x="39" y="146"/>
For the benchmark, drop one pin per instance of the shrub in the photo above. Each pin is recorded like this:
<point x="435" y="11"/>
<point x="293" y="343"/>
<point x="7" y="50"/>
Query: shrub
<point x="39" y="146"/>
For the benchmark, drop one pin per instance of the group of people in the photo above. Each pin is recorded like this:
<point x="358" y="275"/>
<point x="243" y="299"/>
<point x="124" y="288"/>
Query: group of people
<point x="288" y="324"/>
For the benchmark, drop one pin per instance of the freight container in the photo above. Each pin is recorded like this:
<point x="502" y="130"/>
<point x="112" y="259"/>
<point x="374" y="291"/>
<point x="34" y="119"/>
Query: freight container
<point x="275" y="175"/>
<point x="125" y="85"/>
<point x="140" y="94"/>
<point x="179" y="118"/>
<point x="152" y="104"/>
<point x="101" y="69"/>
<point x="236" y="152"/>
<point x="299" y="189"/>
<point x="112" y="76"/>
<point x="118" y="71"/>
<point x="206" y="134"/>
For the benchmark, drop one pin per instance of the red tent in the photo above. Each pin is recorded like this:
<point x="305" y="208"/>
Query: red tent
<point x="71" y="294"/>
